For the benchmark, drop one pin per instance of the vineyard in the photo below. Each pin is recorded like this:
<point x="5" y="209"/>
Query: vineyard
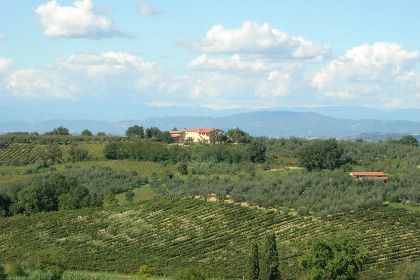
<point x="23" y="154"/>
<point x="172" y="234"/>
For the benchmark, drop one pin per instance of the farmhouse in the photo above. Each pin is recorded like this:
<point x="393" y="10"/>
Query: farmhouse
<point x="194" y="134"/>
<point x="374" y="176"/>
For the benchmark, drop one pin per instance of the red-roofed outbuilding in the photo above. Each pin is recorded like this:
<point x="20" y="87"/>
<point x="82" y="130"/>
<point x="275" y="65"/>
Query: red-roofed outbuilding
<point x="364" y="175"/>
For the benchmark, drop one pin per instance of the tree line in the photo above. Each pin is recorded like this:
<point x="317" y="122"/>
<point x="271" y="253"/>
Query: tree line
<point x="67" y="190"/>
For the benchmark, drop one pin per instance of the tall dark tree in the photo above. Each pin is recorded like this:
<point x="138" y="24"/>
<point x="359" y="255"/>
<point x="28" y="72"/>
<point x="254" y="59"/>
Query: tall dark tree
<point x="135" y="131"/>
<point x="269" y="261"/>
<point x="254" y="265"/>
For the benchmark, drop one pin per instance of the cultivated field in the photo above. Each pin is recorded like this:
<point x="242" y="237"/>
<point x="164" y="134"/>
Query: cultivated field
<point x="173" y="233"/>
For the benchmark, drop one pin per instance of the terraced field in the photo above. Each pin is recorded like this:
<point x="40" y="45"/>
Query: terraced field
<point x="170" y="234"/>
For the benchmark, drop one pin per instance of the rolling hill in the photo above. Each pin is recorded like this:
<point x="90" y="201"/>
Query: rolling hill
<point x="259" y="123"/>
<point x="175" y="233"/>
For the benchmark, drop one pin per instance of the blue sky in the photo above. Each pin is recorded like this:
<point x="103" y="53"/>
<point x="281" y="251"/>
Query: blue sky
<point x="88" y="58"/>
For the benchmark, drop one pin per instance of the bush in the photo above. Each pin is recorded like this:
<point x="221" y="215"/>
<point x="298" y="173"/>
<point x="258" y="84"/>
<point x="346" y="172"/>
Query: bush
<point x="183" y="168"/>
<point x="3" y="144"/>
<point x="111" y="151"/>
<point x="190" y="274"/>
<point x="411" y="271"/>
<point x="78" y="154"/>
<point x="144" y="272"/>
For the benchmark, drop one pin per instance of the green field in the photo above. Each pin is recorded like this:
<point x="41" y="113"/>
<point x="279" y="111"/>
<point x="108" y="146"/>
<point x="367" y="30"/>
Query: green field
<point x="171" y="234"/>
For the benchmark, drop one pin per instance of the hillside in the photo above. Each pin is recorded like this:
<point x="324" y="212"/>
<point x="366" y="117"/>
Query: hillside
<point x="170" y="234"/>
<point x="259" y="123"/>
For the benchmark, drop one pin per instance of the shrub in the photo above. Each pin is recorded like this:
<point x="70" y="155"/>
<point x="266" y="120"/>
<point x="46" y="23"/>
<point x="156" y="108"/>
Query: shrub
<point x="144" y="272"/>
<point x="190" y="274"/>
<point x="411" y="271"/>
<point x="78" y="154"/>
<point x="183" y="168"/>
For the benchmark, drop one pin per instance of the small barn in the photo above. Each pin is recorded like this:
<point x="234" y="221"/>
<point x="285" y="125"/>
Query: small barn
<point x="373" y="176"/>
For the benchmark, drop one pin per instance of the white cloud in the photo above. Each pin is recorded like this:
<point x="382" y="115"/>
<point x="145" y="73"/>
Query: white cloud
<point x="275" y="85"/>
<point x="252" y="38"/>
<point x="39" y="83"/>
<point x="252" y="64"/>
<point x="146" y="10"/>
<point x="235" y="62"/>
<point x="3" y="36"/>
<point x="102" y="73"/>
<point x="107" y="63"/>
<point x="219" y="85"/>
<point x="77" y="21"/>
<point x="5" y="64"/>
<point x="384" y="71"/>
<point x="161" y="104"/>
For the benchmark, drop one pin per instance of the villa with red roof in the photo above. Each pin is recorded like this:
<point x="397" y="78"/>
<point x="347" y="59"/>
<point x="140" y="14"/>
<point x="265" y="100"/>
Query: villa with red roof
<point x="379" y="176"/>
<point x="194" y="134"/>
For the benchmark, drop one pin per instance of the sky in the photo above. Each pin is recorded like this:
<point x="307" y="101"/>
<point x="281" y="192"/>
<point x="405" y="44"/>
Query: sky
<point x="103" y="59"/>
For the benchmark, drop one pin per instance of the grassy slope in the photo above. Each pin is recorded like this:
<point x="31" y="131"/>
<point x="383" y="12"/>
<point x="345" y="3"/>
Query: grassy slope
<point x="170" y="234"/>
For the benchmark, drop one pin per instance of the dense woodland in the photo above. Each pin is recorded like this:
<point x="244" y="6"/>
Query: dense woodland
<point x="57" y="171"/>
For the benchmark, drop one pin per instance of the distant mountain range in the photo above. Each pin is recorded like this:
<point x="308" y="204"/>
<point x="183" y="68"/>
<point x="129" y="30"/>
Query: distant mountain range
<point x="361" y="113"/>
<point x="259" y="123"/>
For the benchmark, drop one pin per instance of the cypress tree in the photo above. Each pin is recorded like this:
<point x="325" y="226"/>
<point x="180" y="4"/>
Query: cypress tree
<point x="254" y="266"/>
<point x="270" y="260"/>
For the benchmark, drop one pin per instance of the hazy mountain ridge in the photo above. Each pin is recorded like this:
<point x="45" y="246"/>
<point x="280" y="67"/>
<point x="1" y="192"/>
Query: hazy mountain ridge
<point x="259" y="123"/>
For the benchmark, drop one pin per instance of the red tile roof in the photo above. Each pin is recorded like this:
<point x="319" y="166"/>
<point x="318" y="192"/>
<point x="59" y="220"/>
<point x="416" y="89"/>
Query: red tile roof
<point x="373" y="174"/>
<point x="200" y="130"/>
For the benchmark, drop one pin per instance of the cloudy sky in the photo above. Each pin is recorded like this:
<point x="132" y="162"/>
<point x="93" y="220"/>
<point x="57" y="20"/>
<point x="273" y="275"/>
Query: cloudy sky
<point x="110" y="59"/>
